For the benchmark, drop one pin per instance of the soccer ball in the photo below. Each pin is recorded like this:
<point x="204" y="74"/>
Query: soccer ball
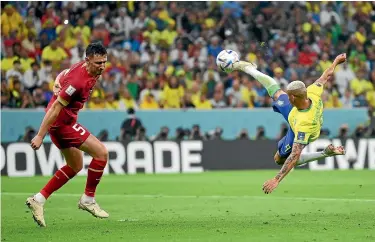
<point x="225" y="60"/>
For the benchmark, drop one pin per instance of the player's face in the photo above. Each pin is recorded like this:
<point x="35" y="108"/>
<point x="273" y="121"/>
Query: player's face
<point x="96" y="64"/>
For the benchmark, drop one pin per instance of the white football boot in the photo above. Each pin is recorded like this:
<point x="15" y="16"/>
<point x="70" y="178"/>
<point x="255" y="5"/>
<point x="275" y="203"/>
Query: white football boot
<point x="37" y="211"/>
<point x="241" y="65"/>
<point x="93" y="208"/>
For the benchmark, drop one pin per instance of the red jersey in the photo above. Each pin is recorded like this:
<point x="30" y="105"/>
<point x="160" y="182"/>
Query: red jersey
<point x="76" y="87"/>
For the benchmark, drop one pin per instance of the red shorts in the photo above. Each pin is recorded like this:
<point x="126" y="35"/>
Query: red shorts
<point x="68" y="135"/>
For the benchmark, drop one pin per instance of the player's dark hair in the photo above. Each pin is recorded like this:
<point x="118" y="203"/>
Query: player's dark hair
<point x="95" y="49"/>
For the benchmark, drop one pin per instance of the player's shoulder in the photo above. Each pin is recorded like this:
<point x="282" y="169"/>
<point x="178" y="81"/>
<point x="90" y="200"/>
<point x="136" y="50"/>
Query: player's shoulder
<point x="76" y="68"/>
<point x="62" y="75"/>
<point x="75" y="73"/>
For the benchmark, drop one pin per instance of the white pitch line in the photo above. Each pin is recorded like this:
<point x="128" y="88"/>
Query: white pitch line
<point x="204" y="197"/>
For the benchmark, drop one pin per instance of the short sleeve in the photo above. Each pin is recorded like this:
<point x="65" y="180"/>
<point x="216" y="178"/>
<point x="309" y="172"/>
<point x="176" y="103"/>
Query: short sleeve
<point x="315" y="89"/>
<point x="69" y="91"/>
<point x="302" y="137"/>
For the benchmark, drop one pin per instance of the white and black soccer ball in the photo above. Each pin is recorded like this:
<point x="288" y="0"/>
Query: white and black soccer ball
<point x="225" y="60"/>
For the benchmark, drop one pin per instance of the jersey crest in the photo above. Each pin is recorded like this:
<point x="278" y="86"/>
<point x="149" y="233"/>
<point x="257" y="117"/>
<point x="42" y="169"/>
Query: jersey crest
<point x="301" y="136"/>
<point x="280" y="102"/>
<point x="70" y="90"/>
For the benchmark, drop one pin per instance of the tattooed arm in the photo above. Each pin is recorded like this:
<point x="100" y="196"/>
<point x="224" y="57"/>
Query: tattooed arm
<point x="290" y="161"/>
<point x="328" y="74"/>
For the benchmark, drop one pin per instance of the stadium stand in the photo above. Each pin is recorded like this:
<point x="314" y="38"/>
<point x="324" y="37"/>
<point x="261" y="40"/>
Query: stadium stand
<point x="162" y="54"/>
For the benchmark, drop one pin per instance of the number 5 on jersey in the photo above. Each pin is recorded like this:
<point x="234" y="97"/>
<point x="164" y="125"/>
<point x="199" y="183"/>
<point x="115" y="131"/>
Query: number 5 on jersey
<point x="78" y="128"/>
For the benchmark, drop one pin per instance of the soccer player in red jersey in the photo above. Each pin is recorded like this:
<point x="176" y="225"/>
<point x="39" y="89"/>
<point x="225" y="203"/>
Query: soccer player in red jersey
<point x="72" y="89"/>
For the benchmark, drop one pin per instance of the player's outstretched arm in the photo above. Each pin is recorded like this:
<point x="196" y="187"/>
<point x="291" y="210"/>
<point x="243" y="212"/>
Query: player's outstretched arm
<point x="327" y="74"/>
<point x="48" y="120"/>
<point x="290" y="162"/>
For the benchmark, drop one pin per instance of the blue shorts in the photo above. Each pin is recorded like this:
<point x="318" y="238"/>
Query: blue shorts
<point x="282" y="105"/>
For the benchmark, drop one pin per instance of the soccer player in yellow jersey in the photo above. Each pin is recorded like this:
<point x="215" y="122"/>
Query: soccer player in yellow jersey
<point x="302" y="108"/>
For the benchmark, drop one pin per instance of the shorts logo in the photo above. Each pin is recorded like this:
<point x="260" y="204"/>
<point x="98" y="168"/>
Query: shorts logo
<point x="287" y="148"/>
<point x="280" y="103"/>
<point x="70" y="90"/>
<point x="301" y="136"/>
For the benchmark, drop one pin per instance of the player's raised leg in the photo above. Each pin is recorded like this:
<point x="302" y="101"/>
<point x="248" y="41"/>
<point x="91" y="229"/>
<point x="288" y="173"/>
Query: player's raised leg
<point x="73" y="157"/>
<point x="271" y="85"/>
<point x="99" y="152"/>
<point x="329" y="151"/>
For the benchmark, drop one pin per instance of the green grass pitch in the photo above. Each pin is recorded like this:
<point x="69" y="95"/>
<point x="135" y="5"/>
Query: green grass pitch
<point x="211" y="206"/>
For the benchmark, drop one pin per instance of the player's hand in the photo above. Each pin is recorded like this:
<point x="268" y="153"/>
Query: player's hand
<point x="56" y="88"/>
<point x="270" y="185"/>
<point x="36" y="142"/>
<point x="340" y="58"/>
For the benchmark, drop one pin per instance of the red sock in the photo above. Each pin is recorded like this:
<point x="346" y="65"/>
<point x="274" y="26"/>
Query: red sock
<point x="94" y="173"/>
<point x="62" y="176"/>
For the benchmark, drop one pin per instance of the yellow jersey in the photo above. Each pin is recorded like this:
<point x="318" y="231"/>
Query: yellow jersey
<point x="172" y="96"/>
<point x="370" y="97"/>
<point x="149" y="105"/>
<point x="202" y="105"/>
<point x="361" y="86"/>
<point x="112" y="105"/>
<point x="7" y="63"/>
<point x="306" y="124"/>
<point x="95" y="106"/>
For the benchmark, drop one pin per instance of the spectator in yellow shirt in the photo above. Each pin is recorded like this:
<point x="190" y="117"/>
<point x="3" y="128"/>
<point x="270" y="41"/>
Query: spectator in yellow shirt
<point x="333" y="101"/>
<point x="203" y="103"/>
<point x="173" y="93"/>
<point x="195" y="92"/>
<point x="249" y="95"/>
<point x="370" y="98"/>
<point x="251" y="56"/>
<point x="29" y="43"/>
<point x="360" y="85"/>
<point x="152" y="32"/>
<point x="71" y="37"/>
<point x="361" y="35"/>
<point x="96" y="103"/>
<point x="168" y="35"/>
<point x="54" y="53"/>
<point x="370" y="95"/>
<point x="111" y="103"/>
<point x="324" y="63"/>
<point x="84" y="29"/>
<point x="356" y="64"/>
<point x="26" y="61"/>
<point x="7" y="62"/>
<point x="126" y="100"/>
<point x="149" y="102"/>
<point x="11" y="20"/>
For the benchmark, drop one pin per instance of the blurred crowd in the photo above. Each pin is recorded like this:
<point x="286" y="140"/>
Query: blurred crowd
<point x="162" y="54"/>
<point x="132" y="129"/>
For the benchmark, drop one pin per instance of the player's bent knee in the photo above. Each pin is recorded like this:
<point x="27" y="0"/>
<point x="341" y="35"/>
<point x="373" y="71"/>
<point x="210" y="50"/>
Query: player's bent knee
<point x="278" y="159"/>
<point x="76" y="167"/>
<point x="279" y="162"/>
<point x="102" y="153"/>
